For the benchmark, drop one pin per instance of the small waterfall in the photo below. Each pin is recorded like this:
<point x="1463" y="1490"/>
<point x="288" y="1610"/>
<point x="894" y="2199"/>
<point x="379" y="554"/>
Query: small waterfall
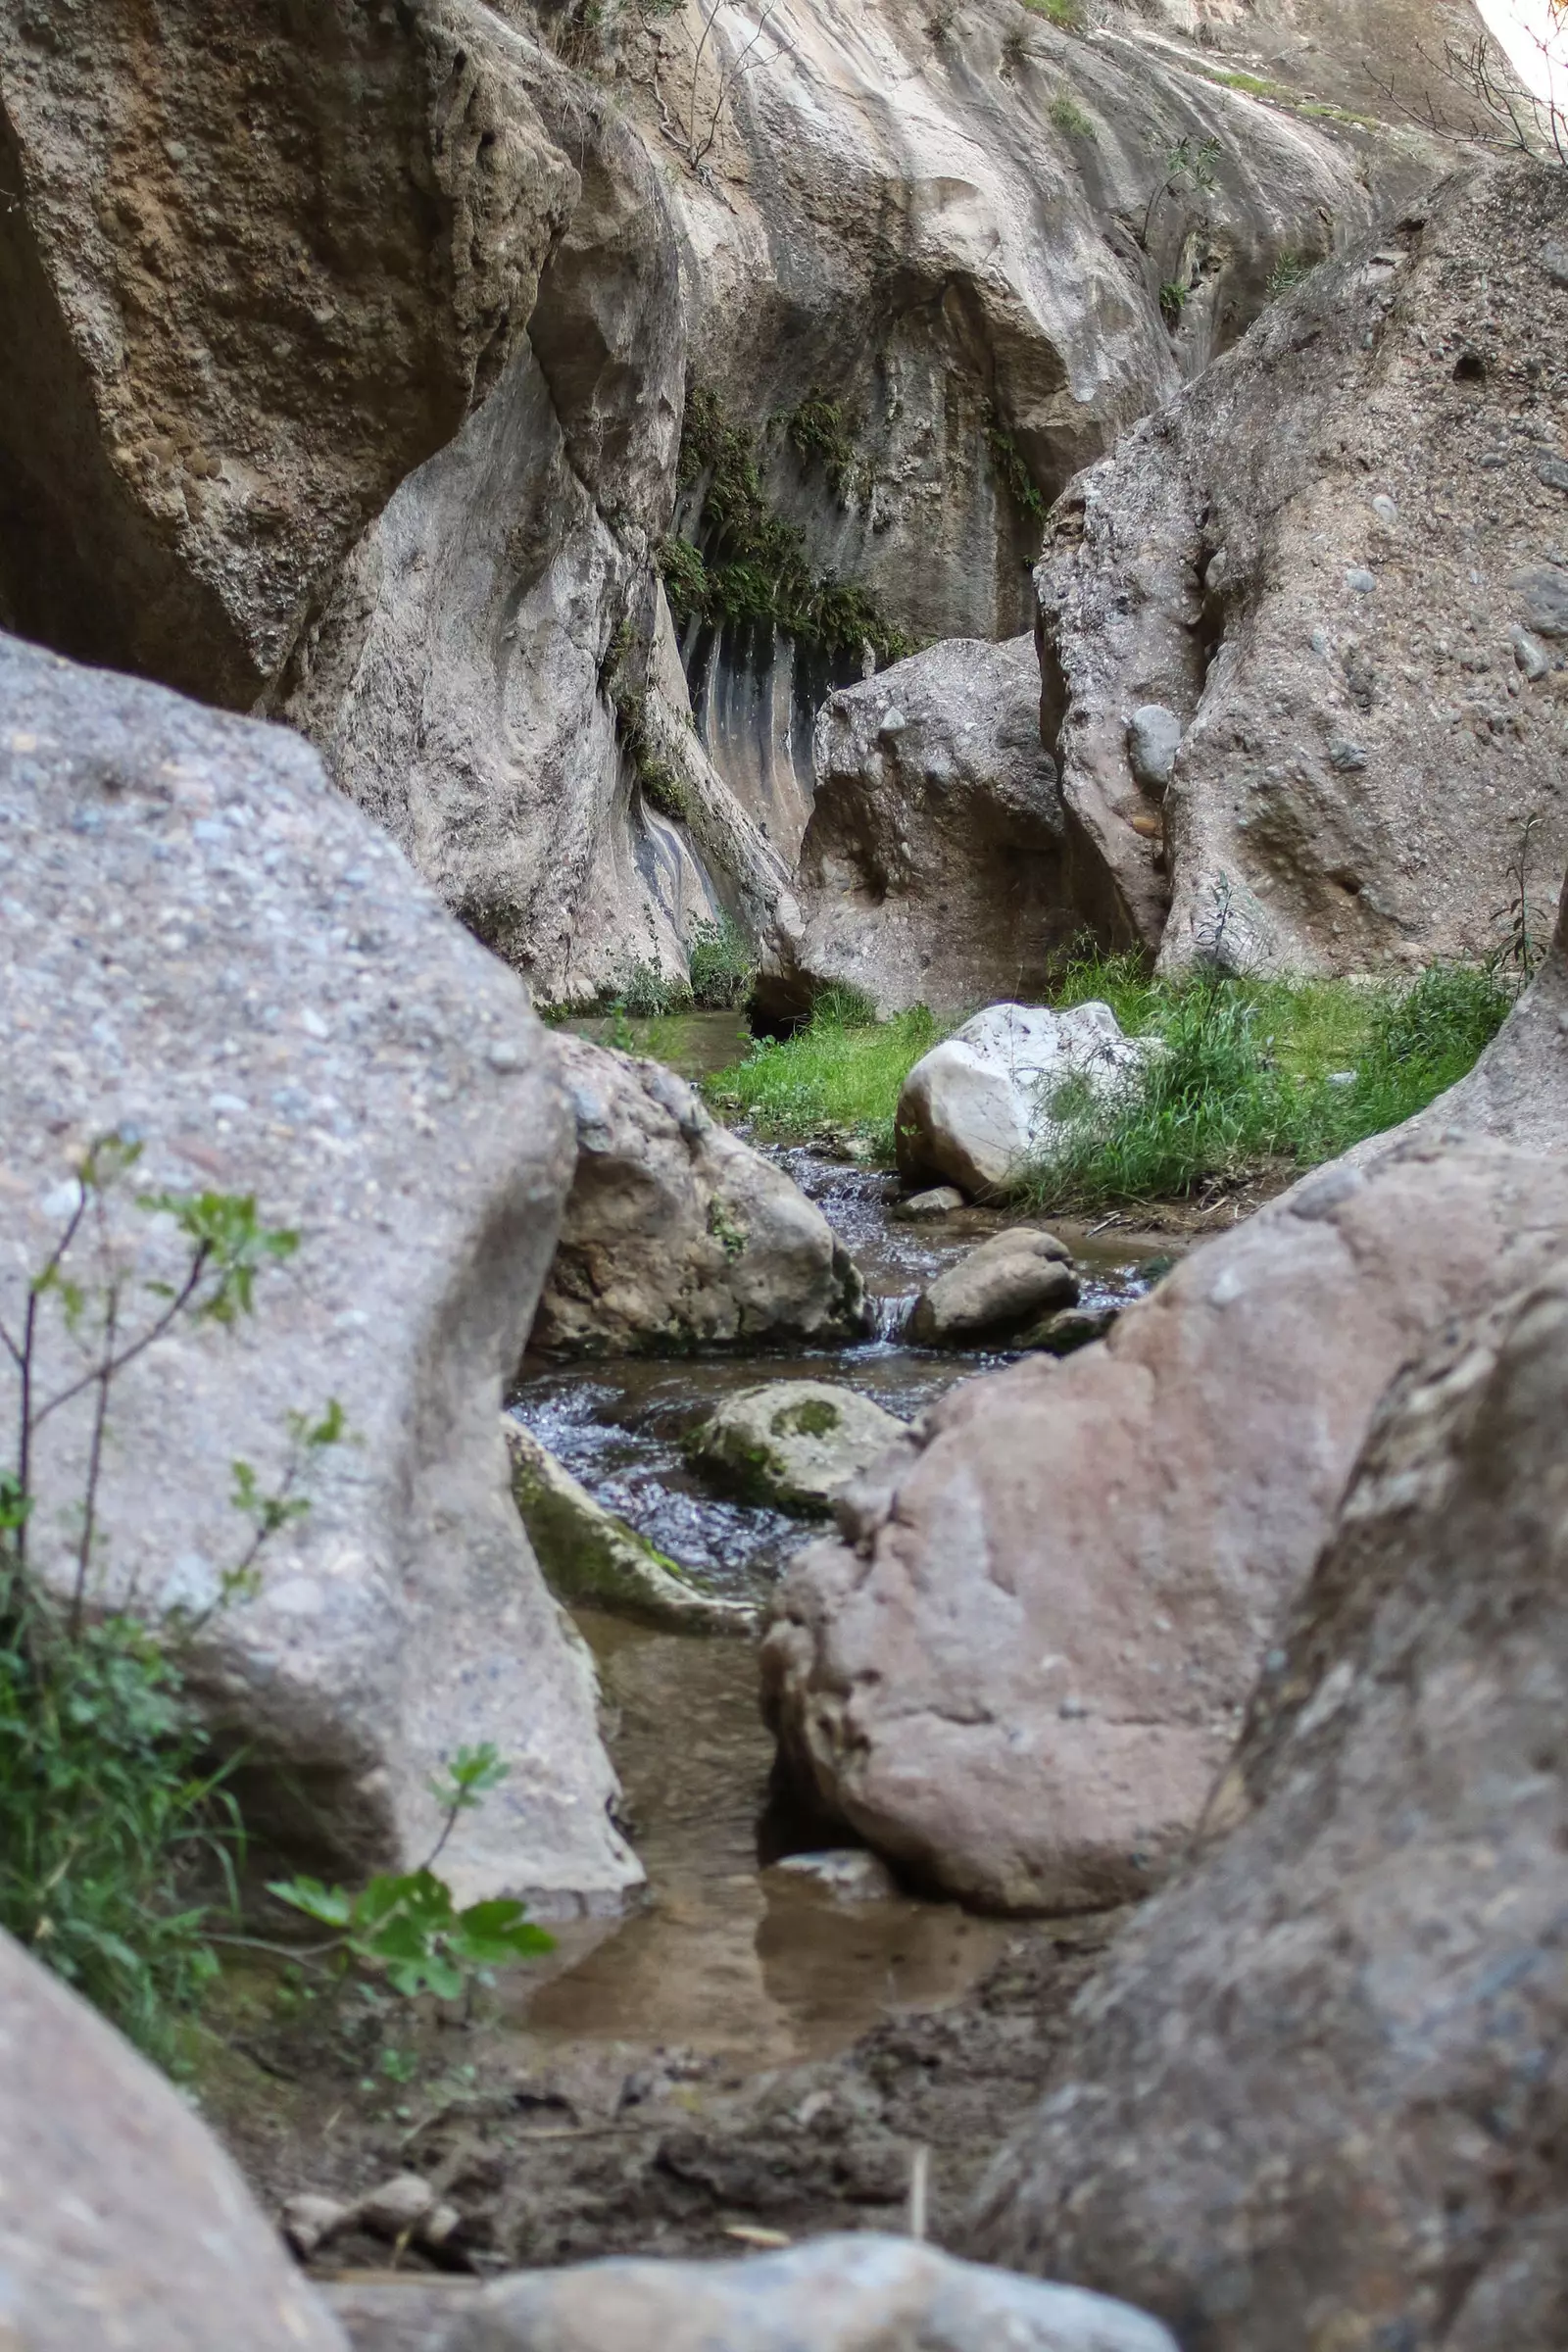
<point x="890" y="1315"/>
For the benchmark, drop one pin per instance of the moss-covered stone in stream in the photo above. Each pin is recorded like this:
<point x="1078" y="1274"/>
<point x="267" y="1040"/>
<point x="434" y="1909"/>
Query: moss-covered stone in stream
<point x="795" y="1443"/>
<point x="587" y="1554"/>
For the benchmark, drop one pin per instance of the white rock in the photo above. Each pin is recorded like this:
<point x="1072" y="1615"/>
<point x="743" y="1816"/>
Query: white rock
<point x="979" y="1107"/>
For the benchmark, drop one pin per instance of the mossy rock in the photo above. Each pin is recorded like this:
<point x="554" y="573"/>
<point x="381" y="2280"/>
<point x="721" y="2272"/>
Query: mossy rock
<point x="792" y="1443"/>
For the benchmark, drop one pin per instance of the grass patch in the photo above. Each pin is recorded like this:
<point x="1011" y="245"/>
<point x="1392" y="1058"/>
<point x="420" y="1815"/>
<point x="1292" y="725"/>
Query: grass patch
<point x="1066" y="14"/>
<point x="1282" y="1073"/>
<point x="841" y="1074"/>
<point x="1069" y="118"/>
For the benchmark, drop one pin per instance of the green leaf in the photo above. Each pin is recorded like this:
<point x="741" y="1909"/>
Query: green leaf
<point x="329" y="1905"/>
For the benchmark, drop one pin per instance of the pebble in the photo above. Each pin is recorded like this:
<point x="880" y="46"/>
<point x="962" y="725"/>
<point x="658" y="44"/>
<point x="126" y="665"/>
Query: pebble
<point x="1359" y="581"/>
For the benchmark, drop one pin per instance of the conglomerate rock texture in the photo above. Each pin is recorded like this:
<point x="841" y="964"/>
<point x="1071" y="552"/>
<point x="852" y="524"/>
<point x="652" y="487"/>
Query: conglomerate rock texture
<point x="1340" y="566"/>
<point x="1319" y="2094"/>
<point x="209" y="951"/>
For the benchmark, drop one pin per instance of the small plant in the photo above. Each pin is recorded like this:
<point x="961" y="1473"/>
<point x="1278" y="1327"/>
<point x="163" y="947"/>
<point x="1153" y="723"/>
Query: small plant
<point x="407" y="1928"/>
<point x="1517" y="957"/>
<point x="1016" y="475"/>
<point x="108" y="1801"/>
<point x="685" y="578"/>
<point x="1174" y="302"/>
<point x="1069" y="118"/>
<point x="723" y="965"/>
<point x="818" y="432"/>
<point x="1066" y="14"/>
<point x="1288" y="272"/>
<point x="1188" y="163"/>
<point x="730" y="1236"/>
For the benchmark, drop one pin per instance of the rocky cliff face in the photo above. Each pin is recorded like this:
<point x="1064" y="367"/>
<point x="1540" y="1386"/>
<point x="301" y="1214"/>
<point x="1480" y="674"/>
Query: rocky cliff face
<point x="352" y="347"/>
<point x="1332" y="580"/>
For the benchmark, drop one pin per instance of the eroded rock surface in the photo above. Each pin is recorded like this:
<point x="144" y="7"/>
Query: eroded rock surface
<point x="936" y="867"/>
<point x="1319" y="2087"/>
<point x="122" y="2219"/>
<point x="981" y="1106"/>
<point x="209" y="950"/>
<point x="1338" y="564"/>
<point x="1021" y="1665"/>
<point x="675" y="1231"/>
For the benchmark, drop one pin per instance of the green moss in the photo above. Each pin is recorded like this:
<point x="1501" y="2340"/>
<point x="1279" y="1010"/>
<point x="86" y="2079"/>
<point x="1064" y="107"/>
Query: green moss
<point x="754" y="566"/>
<point x="814" y="1418"/>
<point x="730" y="1236"/>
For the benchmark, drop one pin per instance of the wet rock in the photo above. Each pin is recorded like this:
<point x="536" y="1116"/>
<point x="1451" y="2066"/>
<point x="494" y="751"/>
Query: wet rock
<point x="676" y="1232"/>
<point x="122" y="2219"/>
<point x="1153" y="739"/>
<point x="981" y="1106"/>
<point x="938" y="1201"/>
<point x="998" y="1288"/>
<point x="1024" y="1695"/>
<point x="1073" y="1328"/>
<point x="1323" y="2075"/>
<point x="848" y="1873"/>
<point x="208" y="947"/>
<point x="860" y="2293"/>
<point x="1230" y="561"/>
<point x="588" y="1554"/>
<point x="796" y="1443"/>
<point x="920" y="831"/>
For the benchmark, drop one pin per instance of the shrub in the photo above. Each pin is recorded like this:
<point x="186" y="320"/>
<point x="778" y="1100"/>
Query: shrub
<point x="723" y="965"/>
<point x="1069" y="118"/>
<point x="1287" y="271"/>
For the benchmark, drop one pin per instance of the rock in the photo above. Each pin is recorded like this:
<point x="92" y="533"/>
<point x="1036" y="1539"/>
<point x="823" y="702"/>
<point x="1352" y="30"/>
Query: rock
<point x="1554" y="261"/>
<point x="1533" y="657"/>
<point x="849" y="1873"/>
<point x="921" y="835"/>
<point x="122" y="2219"/>
<point x="1222" y="562"/>
<point x="590" y="1555"/>
<point x="1073" y="1328"/>
<point x="309" y="2220"/>
<point x="676" y="1232"/>
<point x="859" y="2293"/>
<point x="795" y="1443"/>
<point x="979" y="1107"/>
<point x="938" y="1201"/>
<point x="1323" y="2075"/>
<point x="1153" y="739"/>
<point x="1021" y="1694"/>
<point x="408" y="2312"/>
<point x="291" y="1014"/>
<point x="397" y="2208"/>
<point x="996" y="1289"/>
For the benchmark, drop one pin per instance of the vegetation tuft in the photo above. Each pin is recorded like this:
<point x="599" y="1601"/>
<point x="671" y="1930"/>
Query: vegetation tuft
<point x="752" y="565"/>
<point x="1259" y="1074"/>
<point x="723" y="965"/>
<point x="1011" y="471"/>
<point x="839" y="1076"/>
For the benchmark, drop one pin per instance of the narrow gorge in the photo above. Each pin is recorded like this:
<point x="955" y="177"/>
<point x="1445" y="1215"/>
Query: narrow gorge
<point x="784" y="1211"/>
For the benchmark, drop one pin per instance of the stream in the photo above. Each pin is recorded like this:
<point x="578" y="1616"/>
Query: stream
<point x="733" y="1954"/>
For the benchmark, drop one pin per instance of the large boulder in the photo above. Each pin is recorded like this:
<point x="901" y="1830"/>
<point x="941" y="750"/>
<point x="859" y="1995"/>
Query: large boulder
<point x="209" y="948"/>
<point x="980" y="1107"/>
<point x="676" y="1232"/>
<point x="936" y="867"/>
<point x="861" y="2294"/>
<point x="1335" y="568"/>
<point x="122" y="2219"/>
<point x="1318" y="2094"/>
<point x="1020" y="1668"/>
<point x="795" y="1443"/>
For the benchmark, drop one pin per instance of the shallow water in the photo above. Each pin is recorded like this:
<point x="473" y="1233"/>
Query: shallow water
<point x="693" y="1044"/>
<point x="730" y="1955"/>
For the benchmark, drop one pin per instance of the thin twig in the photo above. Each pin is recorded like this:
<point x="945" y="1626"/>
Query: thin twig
<point x="149" y="1338"/>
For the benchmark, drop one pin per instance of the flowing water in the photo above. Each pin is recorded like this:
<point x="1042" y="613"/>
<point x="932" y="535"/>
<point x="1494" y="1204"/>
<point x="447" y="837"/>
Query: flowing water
<point x="730" y="1952"/>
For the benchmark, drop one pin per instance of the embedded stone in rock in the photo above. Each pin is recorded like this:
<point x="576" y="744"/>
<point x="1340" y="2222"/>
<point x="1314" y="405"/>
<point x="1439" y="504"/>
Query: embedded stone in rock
<point x="676" y="1232"/>
<point x="590" y="1555"/>
<point x="859" y="2293"/>
<point x="1153" y="739"/>
<point x="122" y="2219"/>
<point x="939" y="1201"/>
<point x="797" y="1443"/>
<point x="1323" y="2075"/>
<point x="1543" y="596"/>
<point x="996" y="1289"/>
<point x="1554" y="261"/>
<point x="208" y="947"/>
<point x="1024" y="1695"/>
<point x="979" y="1107"/>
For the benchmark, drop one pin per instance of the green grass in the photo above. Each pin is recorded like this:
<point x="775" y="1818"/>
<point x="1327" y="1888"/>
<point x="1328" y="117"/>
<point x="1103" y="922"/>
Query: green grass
<point x="841" y="1075"/>
<point x="1260" y="1075"/>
